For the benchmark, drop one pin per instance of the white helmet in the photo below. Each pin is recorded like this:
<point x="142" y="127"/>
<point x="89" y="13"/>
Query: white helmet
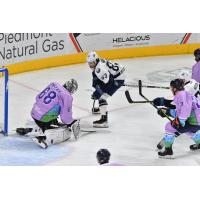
<point x="92" y="57"/>
<point x="71" y="85"/>
<point x="185" y="75"/>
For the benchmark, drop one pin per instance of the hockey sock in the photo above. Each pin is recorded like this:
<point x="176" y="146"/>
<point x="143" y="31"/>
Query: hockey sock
<point x="196" y="137"/>
<point x="169" y="140"/>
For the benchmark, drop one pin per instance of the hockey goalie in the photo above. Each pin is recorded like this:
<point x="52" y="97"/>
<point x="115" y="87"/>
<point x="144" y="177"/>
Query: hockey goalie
<point x="53" y="102"/>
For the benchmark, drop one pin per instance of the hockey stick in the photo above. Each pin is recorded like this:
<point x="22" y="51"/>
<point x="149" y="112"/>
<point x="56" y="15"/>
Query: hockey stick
<point x="146" y="86"/>
<point x="130" y="100"/>
<point x="140" y="92"/>
<point x="93" y="105"/>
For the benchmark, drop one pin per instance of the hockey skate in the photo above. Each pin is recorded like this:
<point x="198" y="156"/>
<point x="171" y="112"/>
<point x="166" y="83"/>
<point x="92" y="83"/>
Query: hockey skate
<point x="167" y="153"/>
<point x="96" y="111"/>
<point x="195" y="147"/>
<point x="102" y="123"/>
<point x="40" y="141"/>
<point x="160" y="145"/>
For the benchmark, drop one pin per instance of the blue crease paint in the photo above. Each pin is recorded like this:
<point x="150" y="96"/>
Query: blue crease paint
<point x="21" y="151"/>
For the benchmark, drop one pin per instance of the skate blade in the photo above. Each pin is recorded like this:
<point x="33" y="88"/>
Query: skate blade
<point x="100" y="126"/>
<point x="157" y="150"/>
<point x="96" y="113"/>
<point x="89" y="130"/>
<point x="194" y="150"/>
<point x="166" y="157"/>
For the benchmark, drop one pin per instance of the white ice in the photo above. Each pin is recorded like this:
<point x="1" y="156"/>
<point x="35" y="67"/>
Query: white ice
<point x="134" y="129"/>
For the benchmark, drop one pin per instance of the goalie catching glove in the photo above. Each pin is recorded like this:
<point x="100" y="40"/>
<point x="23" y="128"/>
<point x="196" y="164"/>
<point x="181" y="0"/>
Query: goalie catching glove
<point x="74" y="127"/>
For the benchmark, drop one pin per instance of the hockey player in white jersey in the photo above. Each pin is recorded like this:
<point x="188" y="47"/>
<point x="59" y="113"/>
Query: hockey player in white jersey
<point x="108" y="77"/>
<point x="191" y="86"/>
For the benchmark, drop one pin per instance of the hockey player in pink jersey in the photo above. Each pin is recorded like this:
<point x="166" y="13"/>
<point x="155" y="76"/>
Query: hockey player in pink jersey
<point x="53" y="102"/>
<point x="186" y="116"/>
<point x="196" y="67"/>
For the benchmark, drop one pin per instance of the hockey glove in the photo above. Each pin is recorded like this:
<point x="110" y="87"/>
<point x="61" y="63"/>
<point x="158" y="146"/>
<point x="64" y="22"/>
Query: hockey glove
<point x="161" y="101"/>
<point x="97" y="93"/>
<point x="158" y="101"/>
<point x="163" y="112"/>
<point x="23" y="131"/>
<point x="93" y="97"/>
<point x="178" y="123"/>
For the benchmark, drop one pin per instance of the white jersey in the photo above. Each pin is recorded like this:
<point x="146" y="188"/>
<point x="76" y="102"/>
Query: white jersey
<point x="192" y="87"/>
<point x="105" y="67"/>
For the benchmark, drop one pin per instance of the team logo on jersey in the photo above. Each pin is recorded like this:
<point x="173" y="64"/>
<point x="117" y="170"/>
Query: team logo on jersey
<point x="98" y="70"/>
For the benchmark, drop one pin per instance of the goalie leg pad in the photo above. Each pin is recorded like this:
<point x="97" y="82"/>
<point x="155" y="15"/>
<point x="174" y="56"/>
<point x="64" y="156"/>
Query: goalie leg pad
<point x="75" y="129"/>
<point x="57" y="135"/>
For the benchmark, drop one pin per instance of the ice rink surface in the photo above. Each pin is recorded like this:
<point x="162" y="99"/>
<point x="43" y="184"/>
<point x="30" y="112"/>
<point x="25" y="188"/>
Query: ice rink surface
<point x="134" y="129"/>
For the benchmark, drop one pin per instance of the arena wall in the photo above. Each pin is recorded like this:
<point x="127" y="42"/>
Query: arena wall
<point x="21" y="52"/>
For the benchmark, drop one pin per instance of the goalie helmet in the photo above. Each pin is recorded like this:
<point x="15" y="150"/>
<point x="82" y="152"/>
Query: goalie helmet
<point x="71" y="86"/>
<point x="103" y="156"/>
<point x="92" y="59"/>
<point x="177" y="85"/>
<point x="185" y="75"/>
<point x="197" y="54"/>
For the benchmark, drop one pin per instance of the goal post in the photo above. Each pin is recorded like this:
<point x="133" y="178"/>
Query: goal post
<point x="4" y="99"/>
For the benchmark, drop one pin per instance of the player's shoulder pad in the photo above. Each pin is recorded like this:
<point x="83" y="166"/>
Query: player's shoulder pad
<point x="101" y="67"/>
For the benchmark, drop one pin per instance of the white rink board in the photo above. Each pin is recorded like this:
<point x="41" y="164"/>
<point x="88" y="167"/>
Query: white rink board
<point x="19" y="47"/>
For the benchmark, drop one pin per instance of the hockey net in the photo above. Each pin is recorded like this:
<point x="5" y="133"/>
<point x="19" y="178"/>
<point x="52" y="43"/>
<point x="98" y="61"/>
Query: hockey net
<point x="4" y="101"/>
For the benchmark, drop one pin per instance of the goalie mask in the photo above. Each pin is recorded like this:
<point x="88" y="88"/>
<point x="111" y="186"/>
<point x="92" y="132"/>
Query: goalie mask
<point x="103" y="156"/>
<point x="71" y="86"/>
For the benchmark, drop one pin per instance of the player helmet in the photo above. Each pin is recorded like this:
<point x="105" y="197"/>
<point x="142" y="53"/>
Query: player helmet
<point x="71" y="86"/>
<point x="185" y="75"/>
<point x="197" y="54"/>
<point x="103" y="156"/>
<point x="177" y="85"/>
<point x="92" y="59"/>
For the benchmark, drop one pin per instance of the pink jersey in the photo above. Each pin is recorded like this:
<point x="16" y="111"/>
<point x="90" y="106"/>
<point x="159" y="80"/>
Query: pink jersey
<point x="187" y="107"/>
<point x="196" y="72"/>
<point x="53" y="101"/>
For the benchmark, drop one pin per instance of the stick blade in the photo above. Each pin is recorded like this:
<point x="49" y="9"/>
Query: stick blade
<point x="140" y="87"/>
<point x="127" y="94"/>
